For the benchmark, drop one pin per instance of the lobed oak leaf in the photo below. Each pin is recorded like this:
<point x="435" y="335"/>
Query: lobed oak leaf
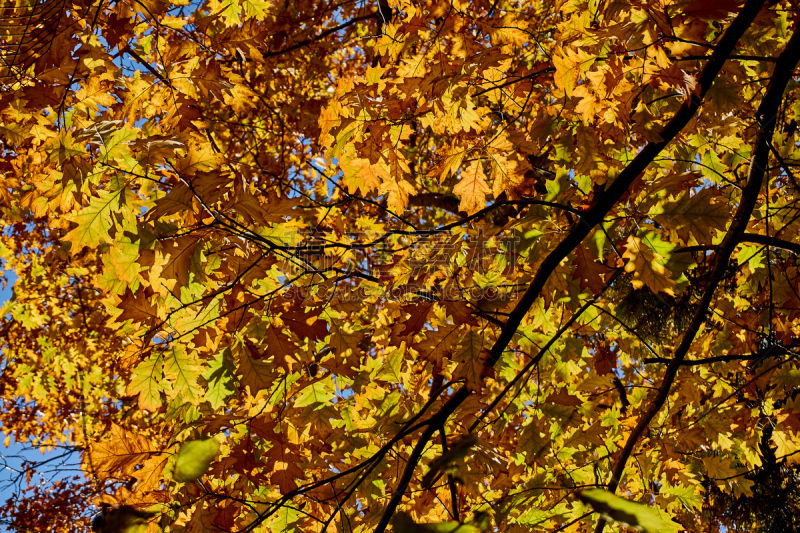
<point x="787" y="445"/>
<point x="285" y="520"/>
<point x="15" y="134"/>
<point x="694" y="218"/>
<point x="604" y="360"/>
<point x="725" y="96"/>
<point x="588" y="270"/>
<point x="472" y="189"/>
<point x="509" y="33"/>
<point x="149" y="476"/>
<point x="181" y="371"/>
<point x="361" y="175"/>
<point x="398" y="190"/>
<point x="280" y="347"/>
<point x="563" y="397"/>
<point x="719" y="468"/>
<point x="305" y="322"/>
<point x="470" y="117"/>
<point x="439" y="344"/>
<point x="220" y="379"/>
<point x="418" y="317"/>
<point x="226" y="516"/>
<point x="449" y="165"/>
<point x="123" y="258"/>
<point x="198" y="157"/>
<point x="647" y="267"/>
<point x="138" y="307"/>
<point x="690" y="497"/>
<point x="203" y="519"/>
<point x="120" y="453"/>
<point x="255" y="375"/>
<point x="145" y="382"/>
<point x="238" y="309"/>
<point x="344" y="342"/>
<point x="174" y="262"/>
<point x="116" y="147"/>
<point x="471" y="359"/>
<point x="94" y="221"/>
<point x="569" y="65"/>
<point x="284" y="467"/>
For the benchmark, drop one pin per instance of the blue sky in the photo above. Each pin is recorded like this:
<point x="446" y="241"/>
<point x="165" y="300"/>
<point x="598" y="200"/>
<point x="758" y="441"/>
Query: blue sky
<point x="11" y="457"/>
<point x="5" y="294"/>
<point x="7" y="453"/>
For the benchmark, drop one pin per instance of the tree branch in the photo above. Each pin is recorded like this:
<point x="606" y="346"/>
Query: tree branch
<point x="765" y="115"/>
<point x="434" y="423"/>
<point x="148" y="66"/>
<point x="450" y="480"/>
<point x="733" y="56"/>
<point x="749" y="237"/>
<point x="606" y="201"/>
<point x="588" y="220"/>
<point x="704" y="361"/>
<point x="322" y="35"/>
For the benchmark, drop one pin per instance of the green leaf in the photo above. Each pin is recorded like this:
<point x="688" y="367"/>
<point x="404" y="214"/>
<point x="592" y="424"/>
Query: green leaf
<point x="635" y="515"/>
<point x="391" y="370"/>
<point x="194" y="458"/>
<point x="146" y="382"/>
<point x="316" y="394"/>
<point x="64" y="147"/>
<point x="181" y="371"/>
<point x="94" y="221"/>
<point x="220" y="379"/>
<point x="403" y="523"/>
<point x="116" y="146"/>
<point x="534" y="516"/>
<point x="284" y="521"/>
<point x="690" y="497"/>
<point x="753" y="255"/>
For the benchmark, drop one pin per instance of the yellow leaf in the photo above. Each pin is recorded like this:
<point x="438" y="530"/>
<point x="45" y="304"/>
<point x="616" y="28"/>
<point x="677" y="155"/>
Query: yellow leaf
<point x="175" y="23"/>
<point x="646" y="267"/>
<point x="398" y="191"/>
<point x="449" y="165"/>
<point x="470" y="118"/>
<point x="94" y="221"/>
<point x="361" y="175"/>
<point x="472" y="189"/>
<point x="199" y="158"/>
<point x="787" y="445"/>
<point x="719" y="468"/>
<point x="569" y="67"/>
<point x="694" y="217"/>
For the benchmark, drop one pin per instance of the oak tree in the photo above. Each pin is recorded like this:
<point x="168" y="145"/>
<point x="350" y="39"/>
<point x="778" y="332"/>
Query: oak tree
<point x="413" y="265"/>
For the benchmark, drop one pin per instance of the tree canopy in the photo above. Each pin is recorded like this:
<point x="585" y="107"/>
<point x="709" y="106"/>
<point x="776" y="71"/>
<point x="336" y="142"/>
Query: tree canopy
<point x="413" y="265"/>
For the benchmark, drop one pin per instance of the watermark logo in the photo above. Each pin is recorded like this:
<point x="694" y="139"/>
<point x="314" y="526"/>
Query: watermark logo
<point x="443" y="266"/>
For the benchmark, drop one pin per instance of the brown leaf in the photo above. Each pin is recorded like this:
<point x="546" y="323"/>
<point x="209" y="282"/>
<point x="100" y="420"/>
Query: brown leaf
<point x="306" y="322"/>
<point x="562" y="397"/>
<point x="605" y="360"/>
